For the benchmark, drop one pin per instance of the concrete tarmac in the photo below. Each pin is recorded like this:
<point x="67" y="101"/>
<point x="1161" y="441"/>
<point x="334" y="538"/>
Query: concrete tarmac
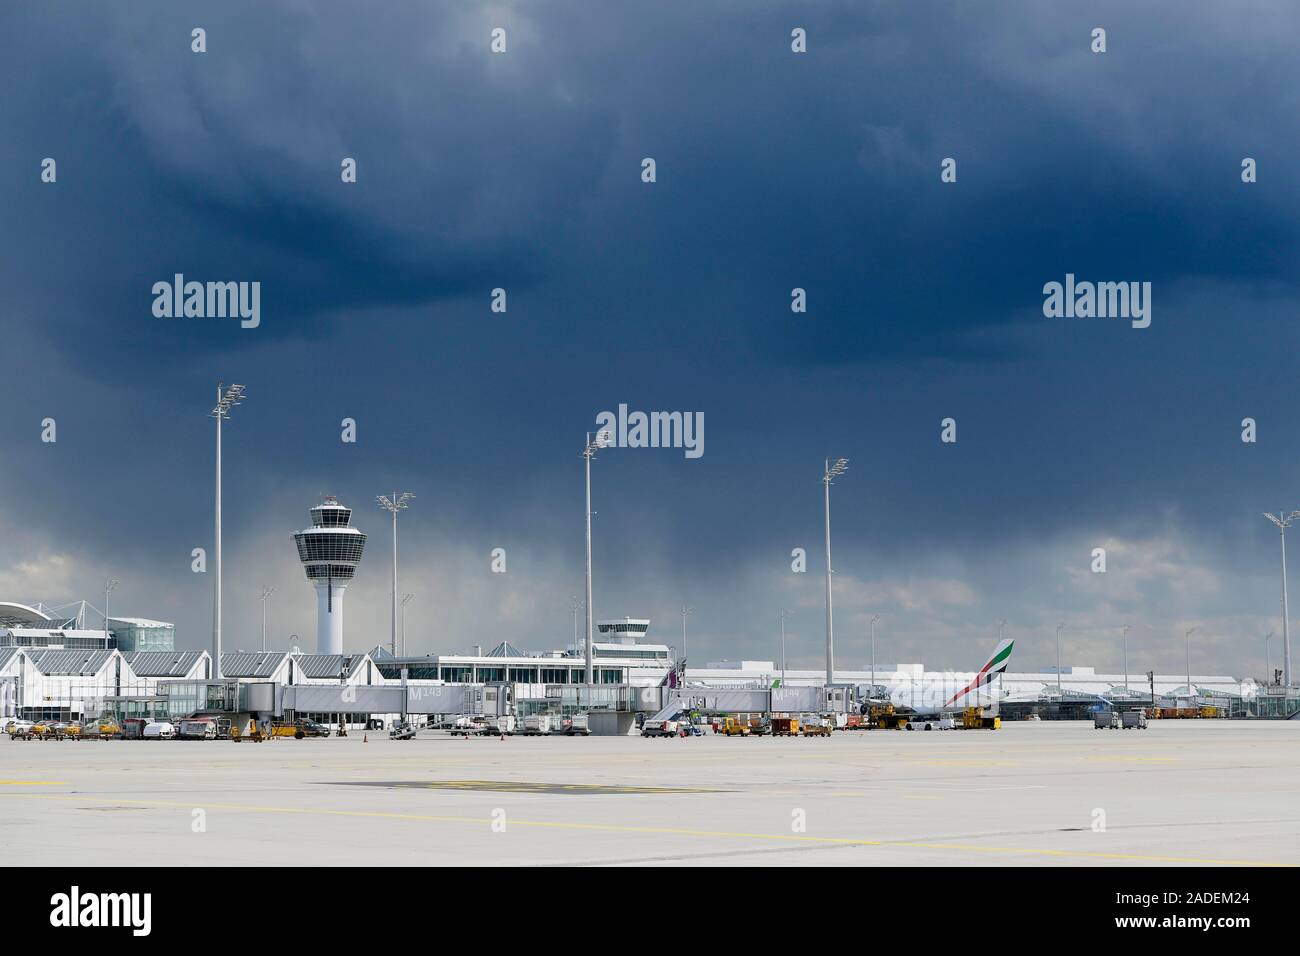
<point x="1194" y="792"/>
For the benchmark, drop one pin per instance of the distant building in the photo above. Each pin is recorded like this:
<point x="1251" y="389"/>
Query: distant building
<point x="142" y="634"/>
<point x="40" y="628"/>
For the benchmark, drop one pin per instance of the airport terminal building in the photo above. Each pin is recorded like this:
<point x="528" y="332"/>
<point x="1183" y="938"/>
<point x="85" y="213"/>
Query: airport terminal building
<point x="50" y="669"/>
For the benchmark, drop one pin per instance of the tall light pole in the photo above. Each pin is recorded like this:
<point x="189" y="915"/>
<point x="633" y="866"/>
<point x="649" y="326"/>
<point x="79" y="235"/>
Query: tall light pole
<point x="1283" y="522"/>
<point x="784" y="614"/>
<point x="267" y="591"/>
<point x="1187" y="637"/>
<point x="394" y="504"/>
<point x="109" y="587"/>
<point x="1268" y="664"/>
<point x="578" y="605"/>
<point x="234" y="395"/>
<point x="829" y="475"/>
<point x="602" y="440"/>
<point x="1125" y="630"/>
<point x="686" y="611"/>
<point x="1001" y="624"/>
<point x="1058" y="661"/>
<point x="406" y="599"/>
<point x="874" y="619"/>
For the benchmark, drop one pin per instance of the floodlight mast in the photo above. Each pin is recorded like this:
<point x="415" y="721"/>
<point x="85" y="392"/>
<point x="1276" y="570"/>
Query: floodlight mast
<point x="1283" y="521"/>
<point x="874" y="619"/>
<point x="398" y="502"/>
<point x="109" y="587"/>
<point x="267" y="591"/>
<point x="406" y="599"/>
<point x="1058" y="663"/>
<point x="829" y="475"/>
<point x="234" y="395"/>
<point x="784" y="615"/>
<point x="1125" y="629"/>
<point x="685" y="612"/>
<point x="602" y="440"/>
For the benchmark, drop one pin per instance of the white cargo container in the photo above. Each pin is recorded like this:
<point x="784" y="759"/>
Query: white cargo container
<point x="536" y="724"/>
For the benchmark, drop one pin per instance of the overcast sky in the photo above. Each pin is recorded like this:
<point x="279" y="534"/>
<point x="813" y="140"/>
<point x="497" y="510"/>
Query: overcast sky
<point x="775" y="170"/>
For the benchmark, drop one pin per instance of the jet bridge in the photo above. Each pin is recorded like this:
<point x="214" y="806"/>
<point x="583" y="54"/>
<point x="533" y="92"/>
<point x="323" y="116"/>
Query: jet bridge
<point x="776" y="700"/>
<point x="487" y="700"/>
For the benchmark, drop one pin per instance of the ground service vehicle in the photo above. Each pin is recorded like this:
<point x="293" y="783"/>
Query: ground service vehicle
<point x="503" y="726"/>
<point x="197" y="728"/>
<point x="816" y="728"/>
<point x="578" y="726"/>
<point x="732" y="727"/>
<point x="785" y="727"/>
<point x="255" y="733"/>
<point x="1105" y="720"/>
<point x="133" y="728"/>
<point x="1135" y="720"/>
<point x="931" y="723"/>
<point x="159" y="730"/>
<point x="468" y="726"/>
<point x="536" y="724"/>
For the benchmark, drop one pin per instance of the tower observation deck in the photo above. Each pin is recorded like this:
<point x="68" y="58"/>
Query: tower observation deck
<point x="330" y="551"/>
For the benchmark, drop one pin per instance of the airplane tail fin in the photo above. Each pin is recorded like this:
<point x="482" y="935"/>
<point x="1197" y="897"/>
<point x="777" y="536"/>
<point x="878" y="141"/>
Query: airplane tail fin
<point x="995" y="665"/>
<point x="998" y="660"/>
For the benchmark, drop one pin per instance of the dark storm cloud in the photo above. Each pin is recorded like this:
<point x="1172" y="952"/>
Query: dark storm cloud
<point x="775" y="171"/>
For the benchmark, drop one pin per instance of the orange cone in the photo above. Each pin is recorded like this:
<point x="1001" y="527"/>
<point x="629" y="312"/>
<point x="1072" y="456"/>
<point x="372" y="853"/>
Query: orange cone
<point x="365" y="738"/>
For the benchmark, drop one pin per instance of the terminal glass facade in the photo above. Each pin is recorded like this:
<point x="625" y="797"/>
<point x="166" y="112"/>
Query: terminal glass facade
<point x="137" y="636"/>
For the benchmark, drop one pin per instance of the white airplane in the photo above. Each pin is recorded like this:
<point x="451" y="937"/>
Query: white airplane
<point x="931" y="696"/>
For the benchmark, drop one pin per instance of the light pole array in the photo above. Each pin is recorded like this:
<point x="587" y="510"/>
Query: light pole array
<point x="234" y="395"/>
<point x="829" y="475"/>
<point x="394" y="504"/>
<point x="602" y="440"/>
<point x="1283" y="522"/>
<point x="267" y="591"/>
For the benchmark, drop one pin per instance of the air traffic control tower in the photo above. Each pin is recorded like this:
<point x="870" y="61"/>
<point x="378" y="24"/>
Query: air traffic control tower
<point x="330" y="551"/>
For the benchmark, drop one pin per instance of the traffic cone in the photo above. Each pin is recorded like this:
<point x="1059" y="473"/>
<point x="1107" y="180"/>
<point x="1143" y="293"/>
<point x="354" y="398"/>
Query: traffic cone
<point x="365" y="738"/>
<point x="503" y="738"/>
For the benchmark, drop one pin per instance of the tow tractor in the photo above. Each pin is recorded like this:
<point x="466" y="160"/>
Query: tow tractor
<point x="402" y="730"/>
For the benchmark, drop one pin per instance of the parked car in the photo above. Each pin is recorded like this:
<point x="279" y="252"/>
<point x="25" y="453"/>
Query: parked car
<point x="311" y="728"/>
<point x="159" y="730"/>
